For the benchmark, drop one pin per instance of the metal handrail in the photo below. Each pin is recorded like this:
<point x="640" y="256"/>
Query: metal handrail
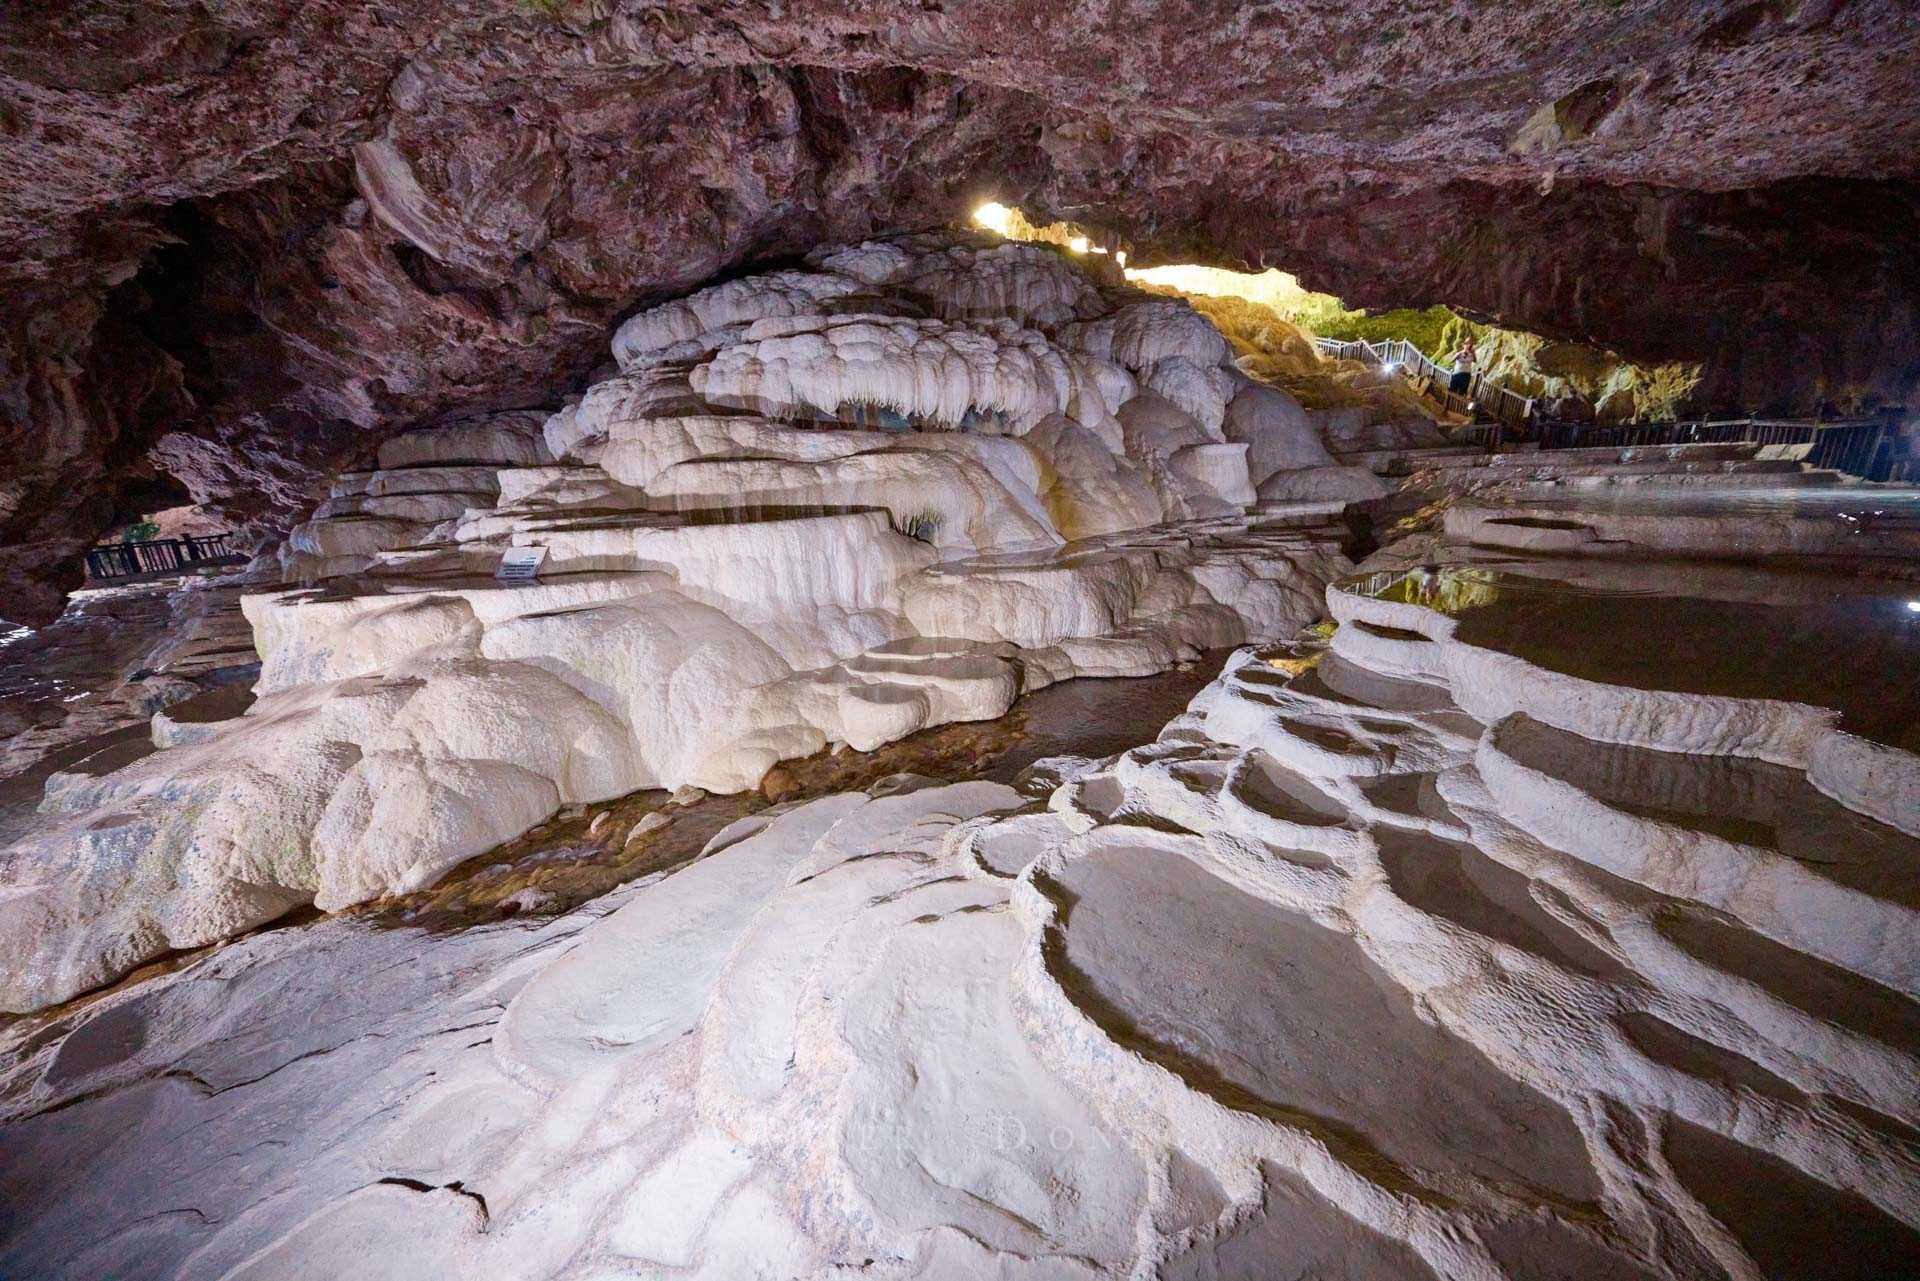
<point x="109" y="561"/>
<point x="1399" y="353"/>
<point x="1865" y="447"/>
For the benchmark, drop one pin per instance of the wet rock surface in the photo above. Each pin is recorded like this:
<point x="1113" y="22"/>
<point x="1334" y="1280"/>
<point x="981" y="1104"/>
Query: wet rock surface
<point x="895" y="487"/>
<point x="81" y="692"/>
<point x="1397" y="953"/>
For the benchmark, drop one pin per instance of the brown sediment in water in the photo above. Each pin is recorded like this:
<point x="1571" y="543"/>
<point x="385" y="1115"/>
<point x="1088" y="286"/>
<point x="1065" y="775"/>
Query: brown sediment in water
<point x="564" y="862"/>
<point x="591" y="850"/>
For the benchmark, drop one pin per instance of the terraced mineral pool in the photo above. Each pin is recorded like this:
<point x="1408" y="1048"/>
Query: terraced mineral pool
<point x="1734" y="798"/>
<point x="1274" y="1014"/>
<point x="1854" y="648"/>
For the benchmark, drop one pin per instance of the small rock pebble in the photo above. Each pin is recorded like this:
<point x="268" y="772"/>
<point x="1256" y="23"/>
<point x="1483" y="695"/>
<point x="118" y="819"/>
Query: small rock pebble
<point x="529" y="900"/>
<point x="651" y="823"/>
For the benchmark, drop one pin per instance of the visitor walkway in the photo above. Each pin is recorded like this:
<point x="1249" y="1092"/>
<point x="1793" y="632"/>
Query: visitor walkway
<point x="1871" y="447"/>
<point x="117" y="562"/>
<point x="1402" y="357"/>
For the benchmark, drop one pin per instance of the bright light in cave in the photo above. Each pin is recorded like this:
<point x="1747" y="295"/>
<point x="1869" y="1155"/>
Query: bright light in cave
<point x="1274" y="288"/>
<point x="995" y="217"/>
<point x="1277" y="289"/>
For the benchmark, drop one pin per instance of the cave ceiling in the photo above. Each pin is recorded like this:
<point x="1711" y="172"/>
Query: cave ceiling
<point x="241" y="241"/>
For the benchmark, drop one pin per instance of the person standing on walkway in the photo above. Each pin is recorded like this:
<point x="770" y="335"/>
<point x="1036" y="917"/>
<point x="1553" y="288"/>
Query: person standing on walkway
<point x="1463" y="362"/>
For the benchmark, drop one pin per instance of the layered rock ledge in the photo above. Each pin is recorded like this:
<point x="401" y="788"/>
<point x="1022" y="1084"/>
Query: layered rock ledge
<point x="823" y="508"/>
<point x="1406" y="952"/>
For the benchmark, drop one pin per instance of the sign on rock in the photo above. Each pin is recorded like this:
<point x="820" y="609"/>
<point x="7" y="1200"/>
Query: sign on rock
<point x="521" y="562"/>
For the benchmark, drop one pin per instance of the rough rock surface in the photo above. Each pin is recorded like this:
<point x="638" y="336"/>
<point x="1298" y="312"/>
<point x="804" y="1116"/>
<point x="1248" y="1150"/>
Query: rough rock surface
<point x="831" y="520"/>
<point x="1397" y="957"/>
<point x="239" y="243"/>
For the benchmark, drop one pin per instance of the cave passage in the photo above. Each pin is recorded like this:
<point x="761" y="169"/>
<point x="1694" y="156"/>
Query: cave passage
<point x="959" y="641"/>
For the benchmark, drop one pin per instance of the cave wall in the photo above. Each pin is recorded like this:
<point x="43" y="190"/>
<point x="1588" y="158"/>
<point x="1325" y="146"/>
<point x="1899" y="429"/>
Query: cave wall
<point x="239" y="243"/>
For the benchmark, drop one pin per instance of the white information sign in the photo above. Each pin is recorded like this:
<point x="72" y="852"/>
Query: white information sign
<point x="521" y="562"/>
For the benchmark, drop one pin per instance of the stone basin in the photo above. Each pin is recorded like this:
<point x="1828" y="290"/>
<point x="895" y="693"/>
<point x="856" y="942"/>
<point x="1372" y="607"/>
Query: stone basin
<point x="1269" y="1012"/>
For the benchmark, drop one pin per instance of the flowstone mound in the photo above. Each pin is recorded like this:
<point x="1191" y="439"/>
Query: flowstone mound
<point x="1357" y="970"/>
<point x="896" y="487"/>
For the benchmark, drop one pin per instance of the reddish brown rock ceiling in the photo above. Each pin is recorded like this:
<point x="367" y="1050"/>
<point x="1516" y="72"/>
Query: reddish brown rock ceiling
<point x="239" y="240"/>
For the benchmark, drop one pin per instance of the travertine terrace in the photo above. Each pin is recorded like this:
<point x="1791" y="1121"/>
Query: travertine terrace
<point x="1440" y="940"/>
<point x="1381" y="966"/>
<point x="823" y="508"/>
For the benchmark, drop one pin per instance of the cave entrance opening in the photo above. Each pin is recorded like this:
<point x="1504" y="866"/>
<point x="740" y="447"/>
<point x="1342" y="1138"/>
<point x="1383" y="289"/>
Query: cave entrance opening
<point x="1304" y="339"/>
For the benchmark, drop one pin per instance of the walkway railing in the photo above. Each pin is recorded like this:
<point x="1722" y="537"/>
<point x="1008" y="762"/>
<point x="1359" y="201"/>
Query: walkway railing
<point x="1870" y="448"/>
<point x="1488" y="436"/>
<point x="109" y="561"/>
<point x="1394" y="353"/>
<point x="1398" y="355"/>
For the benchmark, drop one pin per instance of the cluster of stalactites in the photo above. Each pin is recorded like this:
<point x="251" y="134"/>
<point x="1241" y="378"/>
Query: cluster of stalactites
<point x="928" y="370"/>
<point x="993" y="337"/>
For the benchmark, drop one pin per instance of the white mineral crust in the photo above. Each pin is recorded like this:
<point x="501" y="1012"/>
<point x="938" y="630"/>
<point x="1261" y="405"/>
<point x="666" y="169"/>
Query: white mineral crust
<point x="831" y="505"/>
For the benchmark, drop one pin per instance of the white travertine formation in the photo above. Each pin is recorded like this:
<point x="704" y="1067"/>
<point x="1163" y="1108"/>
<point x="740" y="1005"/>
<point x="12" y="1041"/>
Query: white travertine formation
<point x="1347" y="974"/>
<point x="805" y="514"/>
<point x="927" y="369"/>
<point x="1090" y="488"/>
<point x="1273" y="427"/>
<point x="1202" y="390"/>
<point x="1141" y="334"/>
<point x="871" y="262"/>
<point x="1509" y="932"/>
<point x="1028" y="283"/>
<point x="783" y="293"/>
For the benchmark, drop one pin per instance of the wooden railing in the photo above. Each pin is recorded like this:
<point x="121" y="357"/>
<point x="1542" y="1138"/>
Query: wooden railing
<point x="1396" y="353"/>
<point x="1488" y="436"/>
<point x="109" y="561"/>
